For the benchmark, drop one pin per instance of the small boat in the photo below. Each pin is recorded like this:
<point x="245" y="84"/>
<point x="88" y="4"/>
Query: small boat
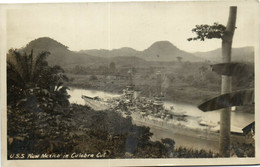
<point x="96" y="103"/>
<point x="207" y="123"/>
<point x="179" y="114"/>
<point x="92" y="98"/>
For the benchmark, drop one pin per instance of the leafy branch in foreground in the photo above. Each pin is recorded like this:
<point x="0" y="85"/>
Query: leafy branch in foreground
<point x="205" y="31"/>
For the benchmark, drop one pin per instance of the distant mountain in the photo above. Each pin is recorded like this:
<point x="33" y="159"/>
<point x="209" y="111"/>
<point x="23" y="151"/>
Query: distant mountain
<point x="244" y="54"/>
<point x="166" y="51"/>
<point x="61" y="55"/>
<point x="46" y="43"/>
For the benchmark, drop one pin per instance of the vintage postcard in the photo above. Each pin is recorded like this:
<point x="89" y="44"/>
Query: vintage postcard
<point x="130" y="83"/>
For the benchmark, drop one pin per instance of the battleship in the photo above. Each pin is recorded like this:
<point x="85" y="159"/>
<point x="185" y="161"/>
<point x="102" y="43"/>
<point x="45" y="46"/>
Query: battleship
<point x="130" y="102"/>
<point x="129" y="99"/>
<point x="152" y="108"/>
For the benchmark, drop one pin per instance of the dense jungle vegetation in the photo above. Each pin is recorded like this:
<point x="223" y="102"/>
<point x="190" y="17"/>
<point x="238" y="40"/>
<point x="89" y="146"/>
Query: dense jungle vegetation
<point x="40" y="118"/>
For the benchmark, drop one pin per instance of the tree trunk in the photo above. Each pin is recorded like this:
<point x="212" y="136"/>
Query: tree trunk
<point x="225" y="118"/>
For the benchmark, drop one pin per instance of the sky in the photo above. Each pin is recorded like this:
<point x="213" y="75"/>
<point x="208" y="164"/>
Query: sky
<point x="137" y="25"/>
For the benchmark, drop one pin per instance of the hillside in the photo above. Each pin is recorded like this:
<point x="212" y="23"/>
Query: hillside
<point x="159" y="51"/>
<point x="128" y="61"/>
<point x="125" y="51"/>
<point x="58" y="51"/>
<point x="244" y="54"/>
<point x="166" y="51"/>
<point x="60" y="54"/>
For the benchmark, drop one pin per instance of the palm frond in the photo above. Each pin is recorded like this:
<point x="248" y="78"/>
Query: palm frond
<point x="233" y="69"/>
<point x="26" y="67"/>
<point x="15" y="59"/>
<point x="41" y="58"/>
<point x="30" y="65"/>
<point x="39" y="62"/>
<point x="237" y="98"/>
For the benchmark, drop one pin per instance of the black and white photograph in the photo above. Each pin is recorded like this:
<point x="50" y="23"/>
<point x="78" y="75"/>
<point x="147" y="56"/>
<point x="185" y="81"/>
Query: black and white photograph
<point x="130" y="82"/>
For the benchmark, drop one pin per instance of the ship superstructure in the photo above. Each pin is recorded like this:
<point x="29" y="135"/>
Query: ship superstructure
<point x="131" y="102"/>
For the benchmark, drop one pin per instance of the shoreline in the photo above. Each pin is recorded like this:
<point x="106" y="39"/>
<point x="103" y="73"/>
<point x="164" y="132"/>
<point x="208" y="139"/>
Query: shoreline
<point x="116" y="91"/>
<point x="187" y="102"/>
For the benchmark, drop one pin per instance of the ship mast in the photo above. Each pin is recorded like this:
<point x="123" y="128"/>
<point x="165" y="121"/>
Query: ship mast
<point x="158" y="104"/>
